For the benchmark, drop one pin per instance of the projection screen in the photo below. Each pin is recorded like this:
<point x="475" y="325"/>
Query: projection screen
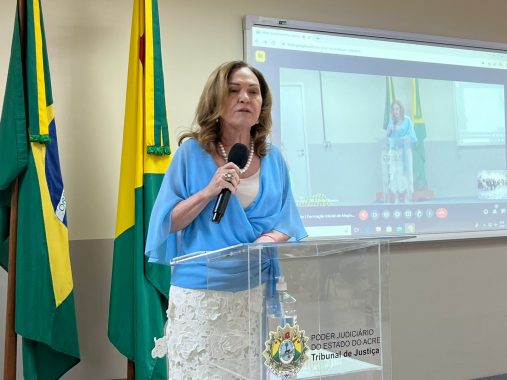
<point x="387" y="133"/>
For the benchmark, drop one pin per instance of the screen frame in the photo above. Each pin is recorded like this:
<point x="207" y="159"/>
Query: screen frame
<point x="250" y="21"/>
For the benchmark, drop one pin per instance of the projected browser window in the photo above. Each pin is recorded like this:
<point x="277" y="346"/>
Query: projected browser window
<point x="387" y="137"/>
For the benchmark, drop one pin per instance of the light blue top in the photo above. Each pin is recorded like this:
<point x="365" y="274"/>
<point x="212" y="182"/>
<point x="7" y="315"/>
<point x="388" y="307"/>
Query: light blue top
<point x="400" y="134"/>
<point x="273" y="209"/>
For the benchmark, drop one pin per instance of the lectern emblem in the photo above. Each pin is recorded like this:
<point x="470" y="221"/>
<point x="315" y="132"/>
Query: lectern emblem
<point x="286" y="350"/>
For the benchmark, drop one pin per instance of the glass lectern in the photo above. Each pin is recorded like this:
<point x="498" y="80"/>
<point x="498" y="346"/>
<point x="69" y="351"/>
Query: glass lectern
<point x="316" y="309"/>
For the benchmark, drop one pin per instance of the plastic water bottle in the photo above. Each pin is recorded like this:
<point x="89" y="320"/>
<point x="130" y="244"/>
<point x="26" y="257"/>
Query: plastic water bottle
<point x="287" y="303"/>
<point x="281" y="308"/>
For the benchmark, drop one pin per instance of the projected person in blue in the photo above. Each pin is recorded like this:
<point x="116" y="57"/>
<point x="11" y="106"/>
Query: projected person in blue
<point x="400" y="139"/>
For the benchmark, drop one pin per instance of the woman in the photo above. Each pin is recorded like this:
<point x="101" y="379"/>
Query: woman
<point x="235" y="107"/>
<point x="400" y="136"/>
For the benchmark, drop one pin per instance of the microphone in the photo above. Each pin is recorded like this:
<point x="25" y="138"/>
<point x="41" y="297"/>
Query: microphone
<point x="239" y="156"/>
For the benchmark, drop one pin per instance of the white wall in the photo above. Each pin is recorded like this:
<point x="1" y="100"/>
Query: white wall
<point x="448" y="308"/>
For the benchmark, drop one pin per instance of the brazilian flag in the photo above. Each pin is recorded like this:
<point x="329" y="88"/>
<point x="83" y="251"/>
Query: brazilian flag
<point x="390" y="97"/>
<point x="139" y="290"/>
<point x="418" y="153"/>
<point x="44" y="303"/>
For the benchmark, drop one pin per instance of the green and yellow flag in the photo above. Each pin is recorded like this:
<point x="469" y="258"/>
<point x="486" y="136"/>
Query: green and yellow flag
<point x="45" y="312"/>
<point x="390" y="97"/>
<point x="418" y="153"/>
<point x="139" y="290"/>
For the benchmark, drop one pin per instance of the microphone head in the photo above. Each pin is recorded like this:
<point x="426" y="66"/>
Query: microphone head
<point x="238" y="155"/>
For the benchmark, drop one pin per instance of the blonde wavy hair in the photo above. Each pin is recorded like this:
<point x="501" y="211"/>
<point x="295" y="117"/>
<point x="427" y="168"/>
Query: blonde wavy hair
<point x="206" y="126"/>
<point x="400" y="106"/>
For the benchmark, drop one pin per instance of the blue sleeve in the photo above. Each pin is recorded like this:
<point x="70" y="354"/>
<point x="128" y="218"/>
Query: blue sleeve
<point x="389" y="129"/>
<point x="411" y="131"/>
<point x="161" y="244"/>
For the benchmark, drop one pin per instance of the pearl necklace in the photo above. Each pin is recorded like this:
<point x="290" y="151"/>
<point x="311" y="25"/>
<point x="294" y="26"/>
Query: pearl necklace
<point x="248" y="162"/>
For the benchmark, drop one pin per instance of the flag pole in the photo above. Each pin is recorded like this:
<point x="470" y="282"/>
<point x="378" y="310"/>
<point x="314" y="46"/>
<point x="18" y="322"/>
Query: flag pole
<point x="11" y="339"/>
<point x="131" y="370"/>
<point x="10" y="333"/>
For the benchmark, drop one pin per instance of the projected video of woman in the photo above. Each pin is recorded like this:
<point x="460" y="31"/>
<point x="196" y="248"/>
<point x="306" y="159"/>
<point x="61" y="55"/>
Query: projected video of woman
<point x="397" y="156"/>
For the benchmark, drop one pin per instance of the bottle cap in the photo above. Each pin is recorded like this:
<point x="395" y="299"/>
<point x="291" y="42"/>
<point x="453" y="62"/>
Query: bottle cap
<point x="281" y="285"/>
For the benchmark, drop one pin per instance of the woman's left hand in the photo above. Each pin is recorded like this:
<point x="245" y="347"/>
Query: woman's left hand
<point x="272" y="237"/>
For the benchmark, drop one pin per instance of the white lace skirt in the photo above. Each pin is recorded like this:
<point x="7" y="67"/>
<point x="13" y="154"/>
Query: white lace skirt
<point x="214" y="334"/>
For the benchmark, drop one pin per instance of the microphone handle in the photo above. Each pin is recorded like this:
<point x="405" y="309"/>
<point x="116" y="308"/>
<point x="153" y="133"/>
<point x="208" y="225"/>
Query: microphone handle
<point x="221" y="205"/>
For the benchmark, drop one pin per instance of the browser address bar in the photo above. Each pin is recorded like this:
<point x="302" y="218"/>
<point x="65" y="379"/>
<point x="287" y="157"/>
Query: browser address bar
<point x="264" y="37"/>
